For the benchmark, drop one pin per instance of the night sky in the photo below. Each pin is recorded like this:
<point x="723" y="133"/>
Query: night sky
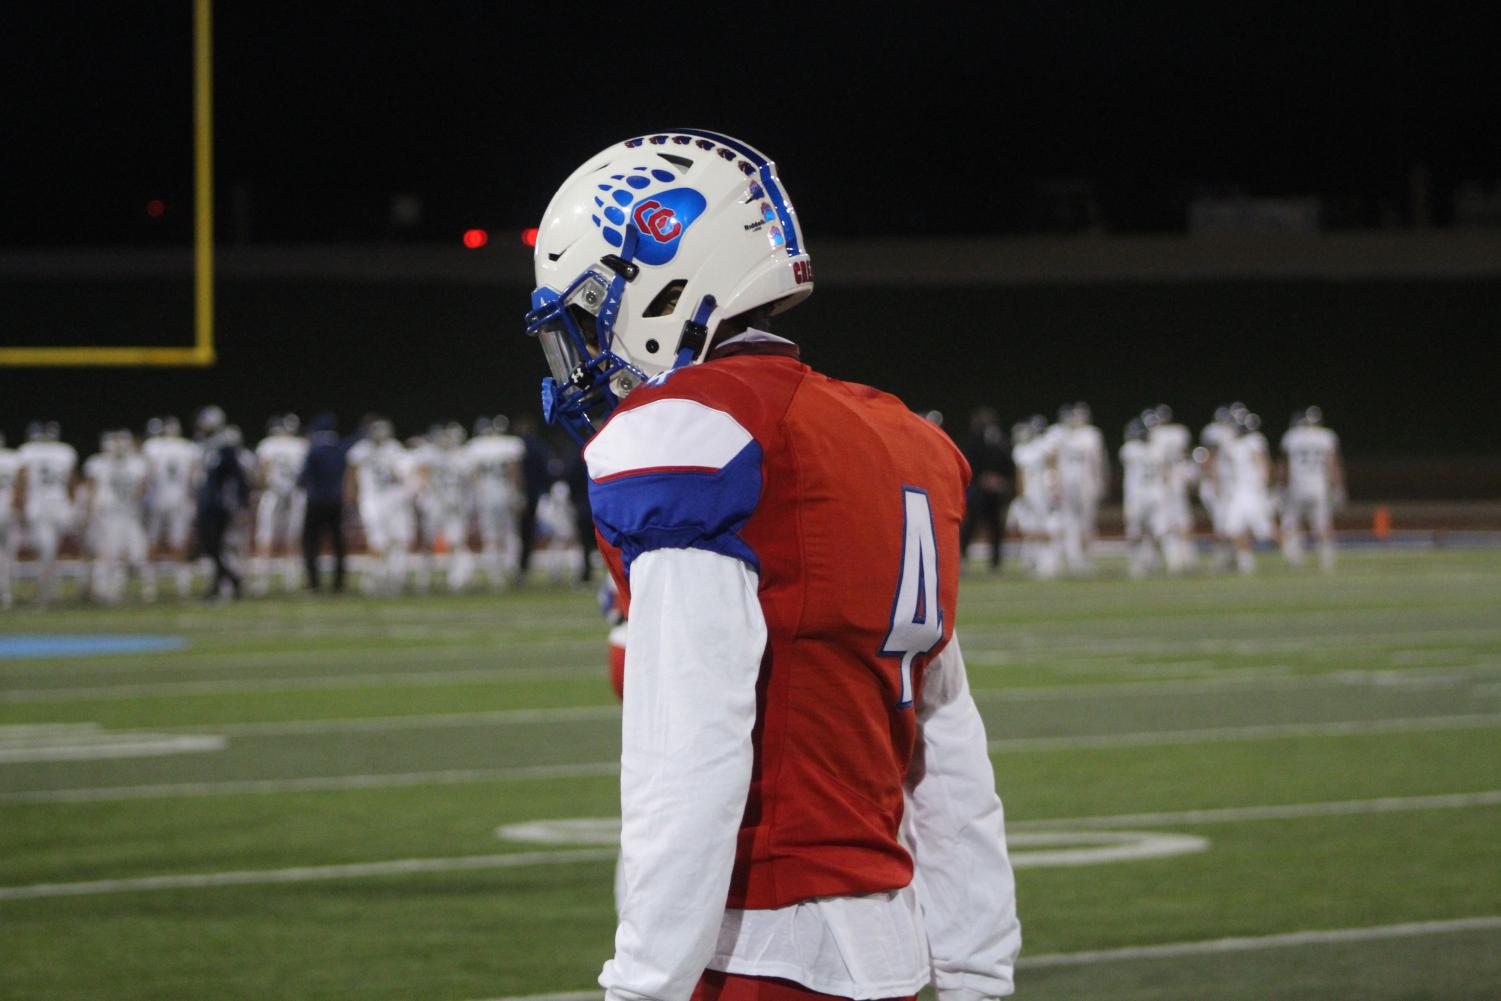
<point x="944" y="118"/>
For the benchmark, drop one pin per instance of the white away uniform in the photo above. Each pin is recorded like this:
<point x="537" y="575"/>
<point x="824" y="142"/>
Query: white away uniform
<point x="1144" y="473"/>
<point x="1081" y="484"/>
<point x="385" y="505"/>
<point x="117" y="523"/>
<point x="1310" y="451"/>
<point x="1248" y="504"/>
<point x="495" y="466"/>
<point x="1034" y="513"/>
<point x="10" y="524"/>
<point x="1172" y="442"/>
<point x="1214" y="437"/>
<point x="282" y="504"/>
<point x="446" y="510"/>
<point x="170" y="464"/>
<point x="48" y="466"/>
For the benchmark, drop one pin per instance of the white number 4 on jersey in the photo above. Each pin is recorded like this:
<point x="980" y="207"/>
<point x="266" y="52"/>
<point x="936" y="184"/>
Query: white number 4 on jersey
<point x="916" y="617"/>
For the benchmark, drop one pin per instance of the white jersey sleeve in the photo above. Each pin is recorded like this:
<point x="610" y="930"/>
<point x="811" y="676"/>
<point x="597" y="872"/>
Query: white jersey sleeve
<point x="956" y="830"/>
<point x="686" y="758"/>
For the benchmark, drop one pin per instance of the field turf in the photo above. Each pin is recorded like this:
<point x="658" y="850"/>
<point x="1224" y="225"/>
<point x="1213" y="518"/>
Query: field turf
<point x="303" y="801"/>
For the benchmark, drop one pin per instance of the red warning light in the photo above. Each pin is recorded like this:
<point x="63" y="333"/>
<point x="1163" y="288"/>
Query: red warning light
<point x="475" y="238"/>
<point x="156" y="208"/>
<point x="529" y="236"/>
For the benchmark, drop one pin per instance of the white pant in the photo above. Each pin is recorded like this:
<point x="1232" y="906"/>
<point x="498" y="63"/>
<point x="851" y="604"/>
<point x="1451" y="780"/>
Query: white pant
<point x="1310" y="509"/>
<point x="1246" y="513"/>
<point x="387" y="524"/>
<point x="169" y="524"/>
<point x="118" y="537"/>
<point x="278" y="520"/>
<point x="10" y="541"/>
<point x="1031" y="514"/>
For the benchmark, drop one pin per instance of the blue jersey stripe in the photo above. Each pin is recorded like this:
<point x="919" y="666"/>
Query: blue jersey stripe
<point x="680" y="509"/>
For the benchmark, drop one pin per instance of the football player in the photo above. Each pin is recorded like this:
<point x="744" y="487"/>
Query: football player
<point x="1315" y="483"/>
<point x="1144" y="500"/>
<point x="1172" y="441"/>
<point x="378" y="466"/>
<point x="1034" y="514"/>
<point x="282" y="504"/>
<point x="493" y="458"/>
<point x="171" y="465"/>
<point x="1082" y="475"/>
<point x="446" y="496"/>
<point x="115" y="478"/>
<point x="49" y="472"/>
<point x="1248" y="500"/>
<point x="787" y="547"/>
<point x="226" y="469"/>
<point x="10" y="529"/>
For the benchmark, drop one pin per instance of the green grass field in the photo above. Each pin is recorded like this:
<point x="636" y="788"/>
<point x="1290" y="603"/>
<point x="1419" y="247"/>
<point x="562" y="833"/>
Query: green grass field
<point x="303" y="803"/>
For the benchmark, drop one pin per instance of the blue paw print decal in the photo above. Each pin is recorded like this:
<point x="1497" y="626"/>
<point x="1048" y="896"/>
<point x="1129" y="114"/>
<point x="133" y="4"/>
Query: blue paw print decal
<point x="661" y="217"/>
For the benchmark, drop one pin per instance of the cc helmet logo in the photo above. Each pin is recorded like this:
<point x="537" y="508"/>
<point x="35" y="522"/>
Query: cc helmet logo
<point x="657" y="222"/>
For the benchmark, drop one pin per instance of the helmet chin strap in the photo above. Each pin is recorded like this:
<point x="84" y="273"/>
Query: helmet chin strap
<point x="695" y="333"/>
<point x="625" y="269"/>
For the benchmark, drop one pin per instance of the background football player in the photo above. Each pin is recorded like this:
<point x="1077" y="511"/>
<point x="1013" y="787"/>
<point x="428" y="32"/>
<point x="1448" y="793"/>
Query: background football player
<point x="10" y="518"/>
<point x="446" y="502"/>
<point x="494" y="460"/>
<point x="49" y="468"/>
<point x="1034" y="513"/>
<point x="1083" y="473"/>
<point x="1314" y="485"/>
<point x="1172" y="441"/>
<point x="378" y="471"/>
<point x="733" y="488"/>
<point x="1247" y="485"/>
<point x="115" y="480"/>
<point x="1144" y="499"/>
<point x="282" y="504"/>
<point x="172" y="462"/>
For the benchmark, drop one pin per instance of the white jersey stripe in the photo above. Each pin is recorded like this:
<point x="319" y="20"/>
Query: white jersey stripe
<point x="666" y="434"/>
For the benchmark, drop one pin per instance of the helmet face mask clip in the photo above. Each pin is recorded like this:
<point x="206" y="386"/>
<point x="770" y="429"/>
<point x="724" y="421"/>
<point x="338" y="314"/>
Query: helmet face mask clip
<point x="575" y="331"/>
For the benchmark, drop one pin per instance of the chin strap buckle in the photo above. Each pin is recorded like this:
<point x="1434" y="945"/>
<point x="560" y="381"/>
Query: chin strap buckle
<point x="695" y="333"/>
<point x="621" y="266"/>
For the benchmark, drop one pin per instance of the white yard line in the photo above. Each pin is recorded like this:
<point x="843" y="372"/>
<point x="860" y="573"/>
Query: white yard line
<point x="323" y="783"/>
<point x="1335" y="936"/>
<point x="1287" y="811"/>
<point x="402" y="679"/>
<point x="1174" y="950"/>
<point x="1455" y="677"/>
<point x="990" y="640"/>
<point x="378" y="724"/>
<point x="89" y="742"/>
<point x="329" y="783"/>
<point x="1260" y="731"/>
<point x="302" y="874"/>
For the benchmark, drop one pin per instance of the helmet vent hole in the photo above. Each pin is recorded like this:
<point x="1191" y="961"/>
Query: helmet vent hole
<point x="680" y="162"/>
<point x="666" y="301"/>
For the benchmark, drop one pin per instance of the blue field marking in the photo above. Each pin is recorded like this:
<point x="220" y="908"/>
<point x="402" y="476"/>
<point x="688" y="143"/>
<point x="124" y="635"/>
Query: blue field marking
<point x="24" y="646"/>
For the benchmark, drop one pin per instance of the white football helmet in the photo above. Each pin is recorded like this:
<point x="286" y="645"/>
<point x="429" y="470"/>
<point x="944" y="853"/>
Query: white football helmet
<point x="643" y="252"/>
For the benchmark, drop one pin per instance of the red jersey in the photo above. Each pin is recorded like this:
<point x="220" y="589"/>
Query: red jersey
<point x="848" y="506"/>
